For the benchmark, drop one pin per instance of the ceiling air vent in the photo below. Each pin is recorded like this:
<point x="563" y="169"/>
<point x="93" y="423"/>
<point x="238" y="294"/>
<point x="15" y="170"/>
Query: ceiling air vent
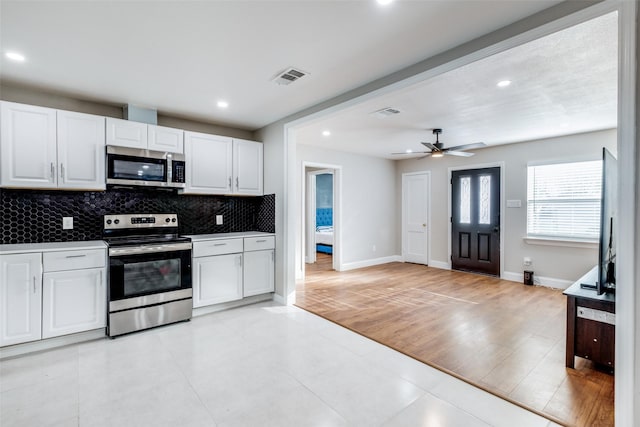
<point x="289" y="76"/>
<point x="386" y="112"/>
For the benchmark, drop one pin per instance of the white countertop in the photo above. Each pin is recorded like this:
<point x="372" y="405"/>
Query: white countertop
<point x="53" y="246"/>
<point x="218" y="236"/>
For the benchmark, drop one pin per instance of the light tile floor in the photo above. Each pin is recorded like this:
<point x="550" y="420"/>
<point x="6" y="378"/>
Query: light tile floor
<point x="260" y="365"/>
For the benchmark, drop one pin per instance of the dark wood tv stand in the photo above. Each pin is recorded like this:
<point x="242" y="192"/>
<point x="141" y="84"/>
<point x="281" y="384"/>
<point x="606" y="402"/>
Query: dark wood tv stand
<point x="590" y="323"/>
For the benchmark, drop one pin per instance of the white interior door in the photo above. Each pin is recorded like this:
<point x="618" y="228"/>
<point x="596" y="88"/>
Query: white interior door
<point x="415" y="217"/>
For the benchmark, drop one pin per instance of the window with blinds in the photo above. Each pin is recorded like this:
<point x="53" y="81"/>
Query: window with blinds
<point x="563" y="200"/>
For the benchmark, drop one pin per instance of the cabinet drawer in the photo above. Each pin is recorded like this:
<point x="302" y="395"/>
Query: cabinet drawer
<point x="259" y="243"/>
<point x="217" y="247"/>
<point x="73" y="260"/>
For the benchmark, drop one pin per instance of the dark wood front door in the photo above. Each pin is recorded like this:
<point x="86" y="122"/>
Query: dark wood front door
<point x="475" y="220"/>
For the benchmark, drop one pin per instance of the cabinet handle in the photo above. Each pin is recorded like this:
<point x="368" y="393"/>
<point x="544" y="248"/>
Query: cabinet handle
<point x="100" y="278"/>
<point x="237" y="183"/>
<point x="219" y="244"/>
<point x="229" y="182"/>
<point x="273" y="256"/>
<point x="595" y="340"/>
<point x="76" y="256"/>
<point x="240" y="260"/>
<point x="261" y="241"/>
<point x="53" y="171"/>
<point x="34" y="284"/>
<point x="62" y="171"/>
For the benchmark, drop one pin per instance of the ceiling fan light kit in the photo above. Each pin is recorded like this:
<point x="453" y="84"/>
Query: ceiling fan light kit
<point x="438" y="149"/>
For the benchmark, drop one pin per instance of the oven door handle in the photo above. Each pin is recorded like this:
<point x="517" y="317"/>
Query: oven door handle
<point x="146" y="249"/>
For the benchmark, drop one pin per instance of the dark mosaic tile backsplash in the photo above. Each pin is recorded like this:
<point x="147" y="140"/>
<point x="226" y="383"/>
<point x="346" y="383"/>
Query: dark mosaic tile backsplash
<point x="30" y="216"/>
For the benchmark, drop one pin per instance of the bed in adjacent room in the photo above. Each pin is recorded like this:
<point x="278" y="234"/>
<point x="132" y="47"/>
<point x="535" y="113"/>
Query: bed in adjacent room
<point x="324" y="230"/>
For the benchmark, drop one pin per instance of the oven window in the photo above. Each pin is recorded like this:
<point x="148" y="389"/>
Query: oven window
<point x="138" y="170"/>
<point x="151" y="276"/>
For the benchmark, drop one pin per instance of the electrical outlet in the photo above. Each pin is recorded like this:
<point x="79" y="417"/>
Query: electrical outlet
<point x="219" y="220"/>
<point x="526" y="261"/>
<point x="67" y="223"/>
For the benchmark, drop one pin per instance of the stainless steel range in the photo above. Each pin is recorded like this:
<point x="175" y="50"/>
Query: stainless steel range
<point x="149" y="272"/>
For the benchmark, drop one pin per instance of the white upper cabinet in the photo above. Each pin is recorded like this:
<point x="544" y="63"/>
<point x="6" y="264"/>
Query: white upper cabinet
<point x="20" y="298"/>
<point x="161" y="138"/>
<point x="125" y="133"/>
<point x="221" y="165"/>
<point x="28" y="156"/>
<point x="81" y="152"/>
<point x="47" y="148"/>
<point x="247" y="167"/>
<point x="209" y="163"/>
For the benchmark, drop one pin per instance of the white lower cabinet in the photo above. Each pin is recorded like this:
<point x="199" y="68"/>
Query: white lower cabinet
<point x="73" y="301"/>
<point x="53" y="293"/>
<point x="217" y="279"/>
<point x="227" y="270"/>
<point x="258" y="272"/>
<point x="20" y="298"/>
<point x="259" y="265"/>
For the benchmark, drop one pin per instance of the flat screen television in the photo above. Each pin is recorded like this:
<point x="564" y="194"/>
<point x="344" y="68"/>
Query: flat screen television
<point x="608" y="205"/>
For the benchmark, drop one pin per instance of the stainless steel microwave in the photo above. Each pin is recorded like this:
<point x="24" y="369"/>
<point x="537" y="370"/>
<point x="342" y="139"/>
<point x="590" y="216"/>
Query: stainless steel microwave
<point x="132" y="166"/>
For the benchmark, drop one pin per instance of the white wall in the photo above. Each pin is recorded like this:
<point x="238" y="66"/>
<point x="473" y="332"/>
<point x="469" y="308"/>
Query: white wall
<point x="560" y="264"/>
<point x="368" y="213"/>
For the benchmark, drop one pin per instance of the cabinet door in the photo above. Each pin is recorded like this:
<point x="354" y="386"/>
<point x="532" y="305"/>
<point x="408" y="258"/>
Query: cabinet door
<point x="217" y="279"/>
<point x="209" y="164"/>
<point x="165" y="139"/>
<point x="125" y="133"/>
<point x="20" y="298"/>
<point x="247" y="167"/>
<point x="595" y="341"/>
<point x="258" y="272"/>
<point x="27" y="146"/>
<point x="73" y="301"/>
<point x="81" y="151"/>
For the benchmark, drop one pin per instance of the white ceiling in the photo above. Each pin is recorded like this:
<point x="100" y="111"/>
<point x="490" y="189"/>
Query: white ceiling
<point x="181" y="57"/>
<point x="562" y="84"/>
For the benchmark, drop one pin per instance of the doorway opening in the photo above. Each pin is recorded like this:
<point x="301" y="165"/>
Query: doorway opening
<point x="321" y="243"/>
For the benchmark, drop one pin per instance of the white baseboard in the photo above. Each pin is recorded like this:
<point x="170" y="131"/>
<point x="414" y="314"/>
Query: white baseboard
<point x="549" y="282"/>
<point x="439" y="264"/>
<point x="370" y="262"/>
<point x="49" y="343"/>
<point x="279" y="299"/>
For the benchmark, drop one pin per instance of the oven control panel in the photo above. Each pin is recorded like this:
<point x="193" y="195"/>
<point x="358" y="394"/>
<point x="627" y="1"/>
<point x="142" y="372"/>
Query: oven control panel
<point x="140" y="221"/>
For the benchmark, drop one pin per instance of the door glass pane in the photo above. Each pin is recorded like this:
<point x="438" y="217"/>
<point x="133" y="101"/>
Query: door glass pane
<point x="465" y="200"/>
<point x="151" y="276"/>
<point x="485" y="199"/>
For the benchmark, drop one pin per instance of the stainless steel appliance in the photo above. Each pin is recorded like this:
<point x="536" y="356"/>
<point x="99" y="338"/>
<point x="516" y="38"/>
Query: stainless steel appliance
<point x="131" y="166"/>
<point x="149" y="272"/>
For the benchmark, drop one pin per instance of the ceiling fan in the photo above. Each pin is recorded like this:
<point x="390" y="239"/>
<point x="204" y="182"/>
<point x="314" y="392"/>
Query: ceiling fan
<point x="438" y="149"/>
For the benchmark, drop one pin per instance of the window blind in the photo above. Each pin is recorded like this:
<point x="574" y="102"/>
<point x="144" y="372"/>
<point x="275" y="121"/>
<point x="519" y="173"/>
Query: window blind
<point x="563" y="200"/>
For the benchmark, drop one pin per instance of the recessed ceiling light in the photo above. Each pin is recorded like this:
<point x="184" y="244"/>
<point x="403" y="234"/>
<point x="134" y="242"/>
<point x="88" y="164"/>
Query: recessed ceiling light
<point x="504" y="83"/>
<point x="326" y="133"/>
<point x="408" y="151"/>
<point x="223" y="104"/>
<point x="384" y="2"/>
<point x="15" y="56"/>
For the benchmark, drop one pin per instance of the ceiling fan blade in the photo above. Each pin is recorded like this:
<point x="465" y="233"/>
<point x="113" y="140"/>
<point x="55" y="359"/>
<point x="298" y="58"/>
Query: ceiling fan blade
<point x="458" y="153"/>
<point x="430" y="146"/>
<point x="413" y="152"/>
<point x="467" y="146"/>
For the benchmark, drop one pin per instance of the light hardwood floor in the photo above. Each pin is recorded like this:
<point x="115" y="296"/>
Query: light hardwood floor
<point x="502" y="336"/>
